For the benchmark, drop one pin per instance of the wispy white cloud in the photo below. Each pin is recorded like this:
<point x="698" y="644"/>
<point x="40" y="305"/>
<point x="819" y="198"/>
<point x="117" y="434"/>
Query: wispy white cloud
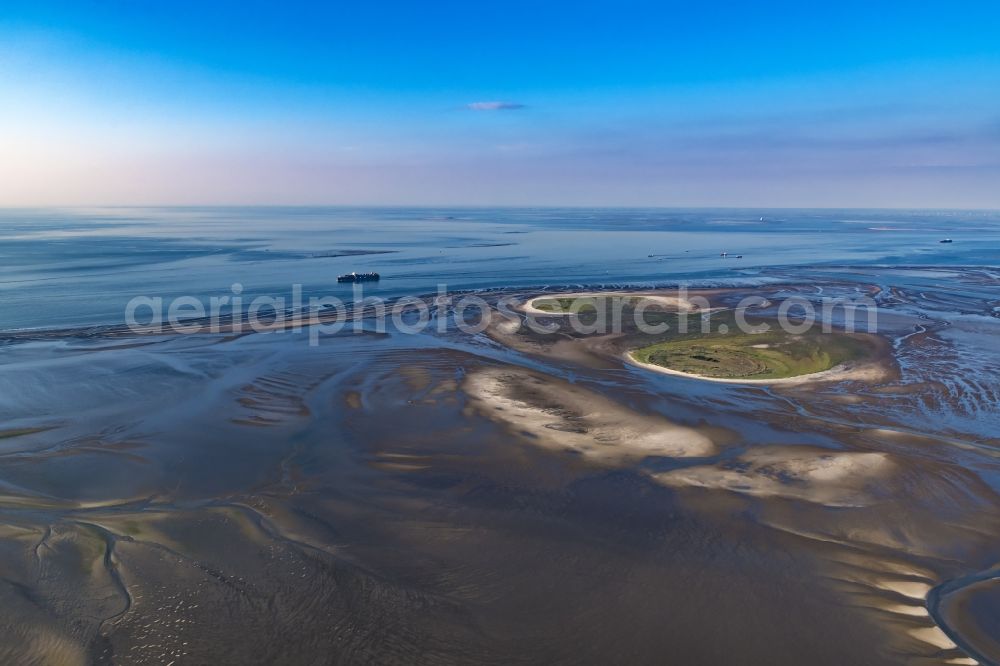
<point x="495" y="106"/>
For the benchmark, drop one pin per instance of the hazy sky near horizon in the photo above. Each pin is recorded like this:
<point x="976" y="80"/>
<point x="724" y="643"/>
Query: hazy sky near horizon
<point x="893" y="104"/>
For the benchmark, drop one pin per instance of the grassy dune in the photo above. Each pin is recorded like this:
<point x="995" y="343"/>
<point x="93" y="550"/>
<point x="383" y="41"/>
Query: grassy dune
<point x="563" y="305"/>
<point x="770" y="355"/>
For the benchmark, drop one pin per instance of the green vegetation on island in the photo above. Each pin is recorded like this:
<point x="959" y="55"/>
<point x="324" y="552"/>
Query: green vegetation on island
<point x="564" y="305"/>
<point x="674" y="333"/>
<point x="774" y="354"/>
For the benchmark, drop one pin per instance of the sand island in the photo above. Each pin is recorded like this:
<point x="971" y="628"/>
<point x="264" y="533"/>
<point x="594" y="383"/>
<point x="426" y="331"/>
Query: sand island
<point x="757" y="357"/>
<point x="713" y="342"/>
<point x="578" y="303"/>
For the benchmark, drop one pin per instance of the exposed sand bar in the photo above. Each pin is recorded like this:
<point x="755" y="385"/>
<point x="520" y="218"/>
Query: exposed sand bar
<point x="831" y="478"/>
<point x="563" y="416"/>
<point x="675" y="303"/>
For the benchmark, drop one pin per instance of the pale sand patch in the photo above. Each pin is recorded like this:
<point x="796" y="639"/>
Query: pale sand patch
<point x="846" y="399"/>
<point x="42" y="645"/>
<point x="879" y="567"/>
<point x="509" y="327"/>
<point x="400" y="467"/>
<point x="933" y="636"/>
<point x="559" y="415"/>
<point x="671" y="302"/>
<point x="400" y="462"/>
<point x="903" y="609"/>
<point x="907" y="588"/>
<point x="832" y="478"/>
<point x="863" y="372"/>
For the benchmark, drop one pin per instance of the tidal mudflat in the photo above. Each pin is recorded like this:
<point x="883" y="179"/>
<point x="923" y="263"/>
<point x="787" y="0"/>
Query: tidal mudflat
<point x="508" y="496"/>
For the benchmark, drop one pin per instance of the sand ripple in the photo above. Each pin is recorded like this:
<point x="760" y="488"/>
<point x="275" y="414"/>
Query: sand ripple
<point x="833" y="478"/>
<point x="556" y="414"/>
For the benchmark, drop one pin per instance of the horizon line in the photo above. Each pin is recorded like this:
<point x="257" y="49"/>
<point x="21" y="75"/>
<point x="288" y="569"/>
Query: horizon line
<point x="499" y="206"/>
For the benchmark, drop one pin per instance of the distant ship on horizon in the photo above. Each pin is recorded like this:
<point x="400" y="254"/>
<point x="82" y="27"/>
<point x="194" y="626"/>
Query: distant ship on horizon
<point x="358" y="277"/>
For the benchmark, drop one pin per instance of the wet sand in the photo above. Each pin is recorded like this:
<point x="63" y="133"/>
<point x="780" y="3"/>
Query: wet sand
<point x="495" y="498"/>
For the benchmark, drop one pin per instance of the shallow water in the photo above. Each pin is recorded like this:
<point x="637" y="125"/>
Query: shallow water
<point x="76" y="268"/>
<point x="251" y="498"/>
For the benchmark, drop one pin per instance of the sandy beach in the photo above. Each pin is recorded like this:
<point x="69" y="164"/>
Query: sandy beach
<point x="674" y="303"/>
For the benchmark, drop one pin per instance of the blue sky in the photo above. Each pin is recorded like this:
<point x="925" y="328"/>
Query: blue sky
<point x="501" y="103"/>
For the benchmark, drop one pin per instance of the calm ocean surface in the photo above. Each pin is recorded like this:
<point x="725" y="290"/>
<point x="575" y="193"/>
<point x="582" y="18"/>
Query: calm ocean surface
<point x="71" y="268"/>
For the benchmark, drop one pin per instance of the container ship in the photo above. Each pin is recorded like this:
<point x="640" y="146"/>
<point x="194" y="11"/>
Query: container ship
<point x="358" y="277"/>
